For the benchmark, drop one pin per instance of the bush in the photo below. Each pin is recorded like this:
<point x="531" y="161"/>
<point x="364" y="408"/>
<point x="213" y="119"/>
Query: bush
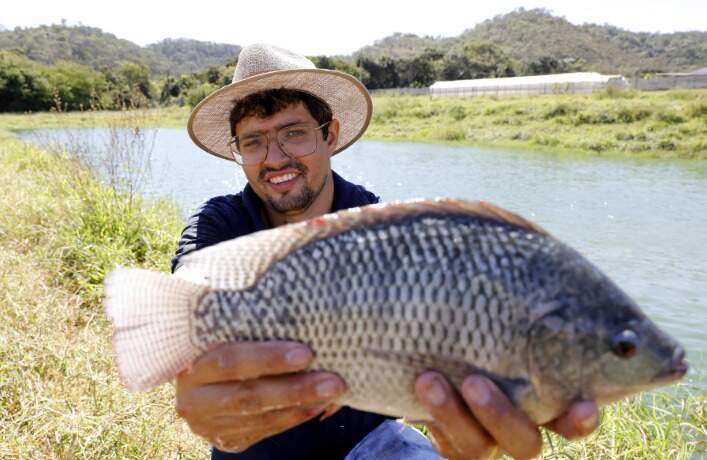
<point x="23" y="86"/>
<point x="560" y="110"/>
<point x="200" y="92"/>
<point x="450" y="134"/>
<point x="666" y="145"/>
<point x="670" y="117"/>
<point x="605" y="117"/>
<point x="457" y="112"/>
<point x="696" y="110"/>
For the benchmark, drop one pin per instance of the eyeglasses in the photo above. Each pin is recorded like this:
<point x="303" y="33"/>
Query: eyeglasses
<point x="295" y="141"/>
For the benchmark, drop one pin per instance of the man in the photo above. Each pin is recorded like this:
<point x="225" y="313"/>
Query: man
<point x="282" y="119"/>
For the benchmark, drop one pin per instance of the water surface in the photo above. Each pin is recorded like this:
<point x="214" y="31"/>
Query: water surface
<point x="643" y="222"/>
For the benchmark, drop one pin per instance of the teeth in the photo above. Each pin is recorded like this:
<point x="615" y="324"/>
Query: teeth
<point x="283" y="178"/>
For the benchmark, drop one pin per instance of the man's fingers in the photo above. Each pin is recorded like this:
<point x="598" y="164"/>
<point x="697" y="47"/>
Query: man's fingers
<point x="441" y="443"/>
<point x="512" y="430"/>
<point x="580" y="420"/>
<point x="247" y="360"/>
<point x="266" y="394"/>
<point x="452" y="417"/>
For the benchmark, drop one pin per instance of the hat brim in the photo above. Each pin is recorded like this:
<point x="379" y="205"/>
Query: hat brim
<point x="209" y="125"/>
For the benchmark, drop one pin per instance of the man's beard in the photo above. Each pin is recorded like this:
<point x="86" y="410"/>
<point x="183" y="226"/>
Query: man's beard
<point x="290" y="203"/>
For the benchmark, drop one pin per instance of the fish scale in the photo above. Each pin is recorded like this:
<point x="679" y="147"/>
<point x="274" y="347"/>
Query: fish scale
<point x="382" y="293"/>
<point x="425" y="303"/>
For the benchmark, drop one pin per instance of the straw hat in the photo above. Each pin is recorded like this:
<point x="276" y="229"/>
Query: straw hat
<point x="262" y="67"/>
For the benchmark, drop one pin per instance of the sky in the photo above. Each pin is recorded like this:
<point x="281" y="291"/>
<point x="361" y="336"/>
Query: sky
<point x="332" y="27"/>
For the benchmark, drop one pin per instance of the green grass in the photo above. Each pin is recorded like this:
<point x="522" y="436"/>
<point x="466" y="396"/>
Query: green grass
<point x="60" y="396"/>
<point x="670" y="124"/>
<point x="168" y="117"/>
<point x="59" y="393"/>
<point x="670" y="423"/>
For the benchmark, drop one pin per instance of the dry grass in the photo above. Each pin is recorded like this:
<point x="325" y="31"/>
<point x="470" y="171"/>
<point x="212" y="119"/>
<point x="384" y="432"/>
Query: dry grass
<point x="60" y="396"/>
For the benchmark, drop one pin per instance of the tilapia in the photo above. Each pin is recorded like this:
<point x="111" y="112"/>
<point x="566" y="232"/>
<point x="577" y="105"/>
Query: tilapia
<point x="384" y="292"/>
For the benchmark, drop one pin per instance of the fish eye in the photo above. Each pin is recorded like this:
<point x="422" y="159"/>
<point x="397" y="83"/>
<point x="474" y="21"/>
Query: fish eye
<point x="624" y="344"/>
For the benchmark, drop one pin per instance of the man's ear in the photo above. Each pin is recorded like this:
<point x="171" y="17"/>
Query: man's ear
<point x="333" y="133"/>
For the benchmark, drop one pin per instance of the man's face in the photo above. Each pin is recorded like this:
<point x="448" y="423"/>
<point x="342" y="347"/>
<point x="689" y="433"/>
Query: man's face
<point x="289" y="185"/>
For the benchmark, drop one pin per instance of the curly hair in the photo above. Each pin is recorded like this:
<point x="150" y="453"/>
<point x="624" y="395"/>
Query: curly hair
<point x="268" y="103"/>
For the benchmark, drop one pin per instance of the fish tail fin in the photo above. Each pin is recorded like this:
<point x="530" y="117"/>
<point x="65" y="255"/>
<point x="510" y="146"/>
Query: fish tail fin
<point x="150" y="312"/>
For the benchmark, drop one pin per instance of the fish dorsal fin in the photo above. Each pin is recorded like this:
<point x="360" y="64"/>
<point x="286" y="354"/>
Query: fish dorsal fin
<point x="238" y="263"/>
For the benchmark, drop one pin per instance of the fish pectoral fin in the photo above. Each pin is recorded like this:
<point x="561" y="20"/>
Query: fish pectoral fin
<point x="456" y="370"/>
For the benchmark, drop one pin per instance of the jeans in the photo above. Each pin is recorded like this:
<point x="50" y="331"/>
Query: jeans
<point x="393" y="440"/>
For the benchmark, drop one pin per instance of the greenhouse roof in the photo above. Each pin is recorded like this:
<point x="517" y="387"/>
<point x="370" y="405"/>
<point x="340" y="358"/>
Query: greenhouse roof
<point x="577" y="77"/>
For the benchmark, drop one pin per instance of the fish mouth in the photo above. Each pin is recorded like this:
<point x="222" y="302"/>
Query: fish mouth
<point x="676" y="369"/>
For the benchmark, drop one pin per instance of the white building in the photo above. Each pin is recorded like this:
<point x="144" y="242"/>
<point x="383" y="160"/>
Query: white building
<point x="579" y="82"/>
<point x="664" y="81"/>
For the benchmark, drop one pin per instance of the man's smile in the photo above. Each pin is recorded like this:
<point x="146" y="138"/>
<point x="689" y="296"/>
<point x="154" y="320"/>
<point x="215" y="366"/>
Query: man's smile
<point x="283" y="180"/>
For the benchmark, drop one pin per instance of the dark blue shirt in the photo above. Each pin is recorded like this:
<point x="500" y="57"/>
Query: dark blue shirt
<point x="226" y="217"/>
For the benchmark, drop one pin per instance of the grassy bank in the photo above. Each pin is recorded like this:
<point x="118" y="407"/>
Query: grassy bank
<point x="670" y="124"/>
<point x="167" y="117"/>
<point x="59" y="393"/>
<point x="667" y="124"/>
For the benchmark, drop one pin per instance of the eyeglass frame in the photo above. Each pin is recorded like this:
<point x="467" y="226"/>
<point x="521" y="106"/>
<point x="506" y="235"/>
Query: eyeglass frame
<point x="234" y="140"/>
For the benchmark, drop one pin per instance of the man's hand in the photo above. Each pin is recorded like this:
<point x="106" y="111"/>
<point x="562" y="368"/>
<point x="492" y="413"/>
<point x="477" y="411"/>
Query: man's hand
<point x="481" y="422"/>
<point x="241" y="393"/>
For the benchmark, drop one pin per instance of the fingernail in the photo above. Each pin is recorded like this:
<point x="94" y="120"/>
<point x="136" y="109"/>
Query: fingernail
<point x="435" y="393"/>
<point x="298" y="356"/>
<point x="477" y="390"/>
<point x="328" y="388"/>
<point x="587" y="416"/>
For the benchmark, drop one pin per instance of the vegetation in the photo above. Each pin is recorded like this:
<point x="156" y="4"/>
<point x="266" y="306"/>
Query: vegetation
<point x="531" y="36"/>
<point x="61" y="232"/>
<point x="59" y="392"/>
<point x="28" y="86"/>
<point x="91" y="47"/>
<point x="185" y="55"/>
<point x="669" y="124"/>
<point x="523" y="42"/>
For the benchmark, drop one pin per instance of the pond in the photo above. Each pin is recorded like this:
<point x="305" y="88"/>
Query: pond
<point x="643" y="222"/>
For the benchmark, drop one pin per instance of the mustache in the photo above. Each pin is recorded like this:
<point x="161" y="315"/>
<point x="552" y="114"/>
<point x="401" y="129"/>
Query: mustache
<point x="289" y="165"/>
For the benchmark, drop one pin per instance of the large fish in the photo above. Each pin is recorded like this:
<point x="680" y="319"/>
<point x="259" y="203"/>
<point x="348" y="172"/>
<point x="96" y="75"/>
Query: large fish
<point x="383" y="292"/>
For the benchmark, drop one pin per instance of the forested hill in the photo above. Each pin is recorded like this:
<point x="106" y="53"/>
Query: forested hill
<point x="530" y="35"/>
<point x="522" y="42"/>
<point x="186" y="55"/>
<point x="101" y="50"/>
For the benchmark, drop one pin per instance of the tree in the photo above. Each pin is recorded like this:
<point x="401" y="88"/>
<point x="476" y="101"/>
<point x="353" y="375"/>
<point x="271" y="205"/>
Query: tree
<point x="22" y="85"/>
<point x="420" y="71"/>
<point x="333" y="63"/>
<point x="74" y="86"/>
<point x="133" y="85"/>
<point x="477" y="59"/>
<point x="381" y="74"/>
<point x="546" y="65"/>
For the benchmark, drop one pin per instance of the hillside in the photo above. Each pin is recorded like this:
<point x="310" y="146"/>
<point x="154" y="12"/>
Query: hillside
<point x="404" y="46"/>
<point x="186" y="55"/>
<point x="528" y="35"/>
<point x="92" y="47"/>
